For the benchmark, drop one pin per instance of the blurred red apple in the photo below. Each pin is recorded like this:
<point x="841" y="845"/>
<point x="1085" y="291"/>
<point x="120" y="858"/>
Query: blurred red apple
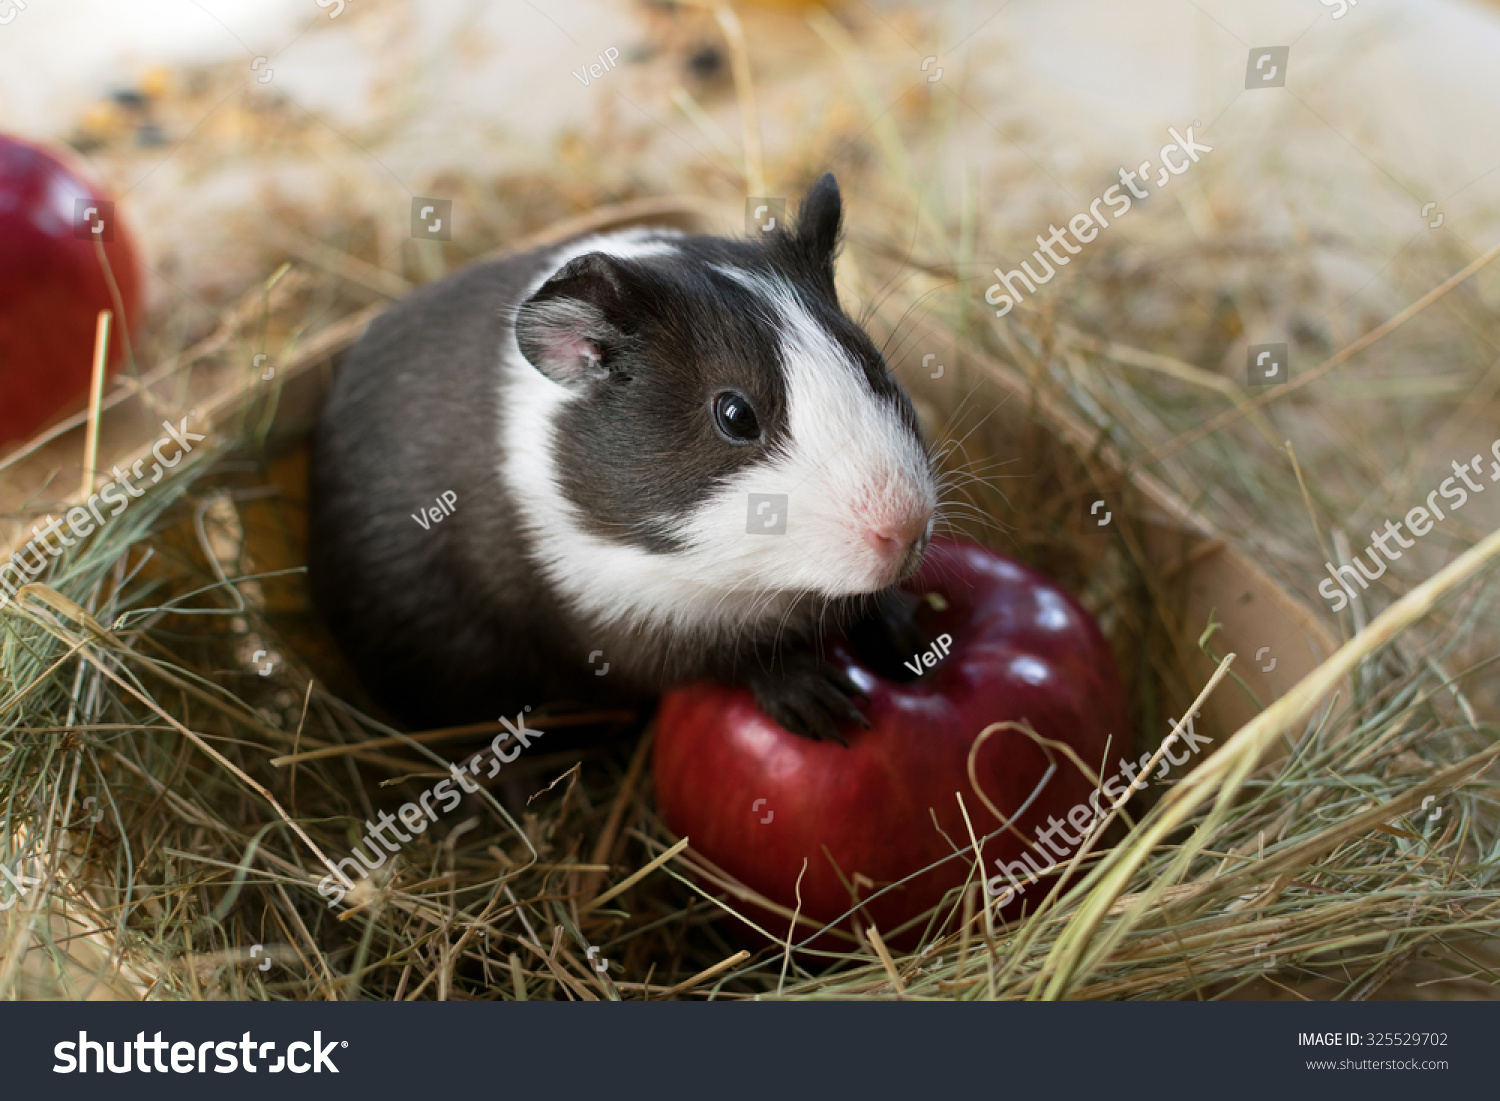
<point x="52" y="286"/>
<point x="756" y="800"/>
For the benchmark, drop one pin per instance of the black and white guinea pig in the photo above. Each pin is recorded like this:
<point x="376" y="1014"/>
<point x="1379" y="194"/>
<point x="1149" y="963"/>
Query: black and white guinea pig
<point x="572" y="460"/>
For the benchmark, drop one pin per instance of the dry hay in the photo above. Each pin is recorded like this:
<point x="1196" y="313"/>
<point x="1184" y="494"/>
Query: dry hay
<point x="176" y="807"/>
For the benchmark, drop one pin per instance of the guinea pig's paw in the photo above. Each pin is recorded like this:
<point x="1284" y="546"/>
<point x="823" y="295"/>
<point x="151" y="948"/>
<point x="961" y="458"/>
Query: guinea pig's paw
<point x="809" y="697"/>
<point x="887" y="633"/>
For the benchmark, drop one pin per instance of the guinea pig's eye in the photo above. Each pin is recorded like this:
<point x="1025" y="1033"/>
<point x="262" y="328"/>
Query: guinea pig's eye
<point x="735" y="417"/>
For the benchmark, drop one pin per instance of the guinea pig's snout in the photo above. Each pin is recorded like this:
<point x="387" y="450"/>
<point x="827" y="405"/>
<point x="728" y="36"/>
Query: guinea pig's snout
<point x="900" y="541"/>
<point x="891" y="540"/>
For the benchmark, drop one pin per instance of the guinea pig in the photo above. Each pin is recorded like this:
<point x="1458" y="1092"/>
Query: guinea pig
<point x="599" y="469"/>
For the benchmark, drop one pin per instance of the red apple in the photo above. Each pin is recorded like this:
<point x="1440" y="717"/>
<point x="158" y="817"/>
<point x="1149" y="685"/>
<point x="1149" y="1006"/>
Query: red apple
<point x="757" y="800"/>
<point x="52" y="286"/>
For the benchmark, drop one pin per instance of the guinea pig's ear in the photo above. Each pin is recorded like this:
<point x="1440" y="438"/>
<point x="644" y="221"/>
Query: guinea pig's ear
<point x="564" y="329"/>
<point x="818" y="219"/>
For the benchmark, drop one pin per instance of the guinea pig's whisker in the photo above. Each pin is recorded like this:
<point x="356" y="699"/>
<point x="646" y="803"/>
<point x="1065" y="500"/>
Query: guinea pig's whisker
<point x="964" y="485"/>
<point x="958" y="411"/>
<point x="952" y="509"/>
<point x="973" y="469"/>
<point x="736" y="588"/>
<point x="915" y="304"/>
<point x="952" y="528"/>
<point x="978" y="425"/>
<point x="876" y="300"/>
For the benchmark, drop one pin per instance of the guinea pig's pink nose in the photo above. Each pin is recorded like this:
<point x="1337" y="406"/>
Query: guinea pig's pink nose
<point x="892" y="539"/>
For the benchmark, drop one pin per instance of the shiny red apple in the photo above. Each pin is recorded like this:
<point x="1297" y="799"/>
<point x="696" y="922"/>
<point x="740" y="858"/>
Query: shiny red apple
<point x="757" y="800"/>
<point x="52" y="286"/>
